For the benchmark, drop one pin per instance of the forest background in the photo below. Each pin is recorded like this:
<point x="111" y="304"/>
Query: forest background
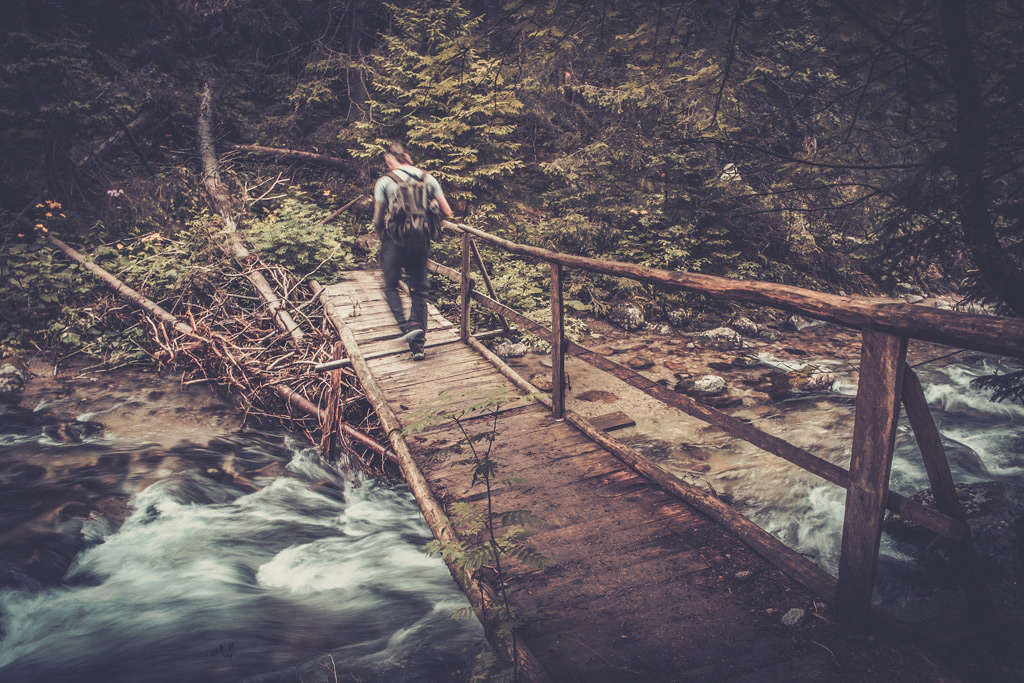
<point x="858" y="147"/>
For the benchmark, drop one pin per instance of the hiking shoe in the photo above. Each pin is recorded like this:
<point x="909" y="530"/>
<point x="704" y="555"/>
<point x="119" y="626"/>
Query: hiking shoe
<point x="419" y="355"/>
<point x="414" y="333"/>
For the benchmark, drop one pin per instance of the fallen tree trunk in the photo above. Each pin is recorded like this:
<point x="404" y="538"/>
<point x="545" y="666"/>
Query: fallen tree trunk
<point x="124" y="290"/>
<point x="296" y="155"/>
<point x="222" y="204"/>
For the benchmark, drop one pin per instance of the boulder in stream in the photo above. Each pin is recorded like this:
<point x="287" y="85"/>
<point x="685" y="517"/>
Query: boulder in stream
<point x="718" y="338"/>
<point x="506" y="350"/>
<point x="12" y="380"/>
<point x="627" y="316"/>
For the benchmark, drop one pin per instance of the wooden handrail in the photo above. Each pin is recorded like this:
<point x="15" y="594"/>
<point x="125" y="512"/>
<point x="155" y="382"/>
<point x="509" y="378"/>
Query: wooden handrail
<point x="885" y="328"/>
<point x="993" y="334"/>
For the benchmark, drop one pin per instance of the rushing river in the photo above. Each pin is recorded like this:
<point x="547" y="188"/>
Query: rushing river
<point x="983" y="440"/>
<point x="172" y="545"/>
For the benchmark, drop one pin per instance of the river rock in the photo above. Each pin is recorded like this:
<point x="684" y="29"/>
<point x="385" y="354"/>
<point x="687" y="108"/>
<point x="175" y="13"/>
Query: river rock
<point x="663" y="329"/>
<point x="678" y="318"/>
<point x="798" y="322"/>
<point x="627" y="316"/>
<point x="805" y="380"/>
<point x="541" y="381"/>
<point x="640" y="362"/>
<point x="597" y="395"/>
<point x="745" y="326"/>
<point x="913" y="298"/>
<point x="995" y="514"/>
<point x="718" y="338"/>
<point x="793" y="617"/>
<point x="676" y="366"/>
<point x="12" y="380"/>
<point x="706" y="385"/>
<point x="506" y="350"/>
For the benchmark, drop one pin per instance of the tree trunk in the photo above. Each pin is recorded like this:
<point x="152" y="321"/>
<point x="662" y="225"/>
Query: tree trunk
<point x="222" y="204"/>
<point x="997" y="267"/>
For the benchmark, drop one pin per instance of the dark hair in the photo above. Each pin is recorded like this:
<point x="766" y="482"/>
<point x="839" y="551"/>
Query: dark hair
<point x="397" y="151"/>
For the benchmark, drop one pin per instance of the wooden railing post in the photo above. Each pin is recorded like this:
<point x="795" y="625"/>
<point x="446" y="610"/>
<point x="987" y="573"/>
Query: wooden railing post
<point x="962" y="554"/>
<point x="464" y="285"/>
<point x="557" y="344"/>
<point x="882" y="361"/>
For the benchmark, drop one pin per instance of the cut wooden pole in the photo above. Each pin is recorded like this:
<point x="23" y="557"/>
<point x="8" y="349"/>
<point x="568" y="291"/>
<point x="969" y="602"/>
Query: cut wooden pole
<point x="970" y="331"/>
<point x="121" y="288"/>
<point x="222" y="204"/>
<point x="963" y="555"/>
<point x="557" y="344"/>
<point x="481" y="596"/>
<point x="330" y="443"/>
<point x="882" y="362"/>
<point x="292" y="155"/>
<point x="487" y="282"/>
<point x="465" y="283"/>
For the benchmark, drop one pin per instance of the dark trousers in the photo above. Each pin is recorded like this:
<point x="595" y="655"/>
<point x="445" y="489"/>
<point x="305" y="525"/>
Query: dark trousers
<point x="393" y="259"/>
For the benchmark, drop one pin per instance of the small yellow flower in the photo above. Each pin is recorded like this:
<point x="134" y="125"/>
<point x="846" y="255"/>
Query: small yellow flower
<point x="62" y="216"/>
<point x="39" y="206"/>
<point x="120" y="246"/>
<point x="39" y="225"/>
<point x="49" y="214"/>
<point x="21" y="234"/>
<point x="44" y="229"/>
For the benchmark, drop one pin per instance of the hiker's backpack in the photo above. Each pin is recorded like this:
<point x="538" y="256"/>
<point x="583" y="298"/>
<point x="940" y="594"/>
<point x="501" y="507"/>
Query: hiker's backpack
<point x="414" y="217"/>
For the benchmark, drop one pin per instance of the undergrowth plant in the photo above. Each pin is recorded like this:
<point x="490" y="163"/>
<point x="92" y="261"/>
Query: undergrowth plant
<point x="489" y="540"/>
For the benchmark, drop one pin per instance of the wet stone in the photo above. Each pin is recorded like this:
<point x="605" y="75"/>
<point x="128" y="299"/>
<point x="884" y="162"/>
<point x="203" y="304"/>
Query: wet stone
<point x="640" y="362"/>
<point x="718" y="338"/>
<point x="627" y="316"/>
<point x="744" y="575"/>
<point x="542" y="382"/>
<point x="793" y="617"/>
<point x="676" y="366"/>
<point x="507" y="350"/>
<point x="596" y="395"/>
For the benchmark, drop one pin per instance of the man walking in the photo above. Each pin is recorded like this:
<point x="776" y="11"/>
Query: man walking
<point x="403" y="246"/>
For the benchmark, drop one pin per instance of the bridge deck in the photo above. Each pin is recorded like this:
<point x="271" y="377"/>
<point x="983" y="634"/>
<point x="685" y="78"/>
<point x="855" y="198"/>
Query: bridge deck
<point x="642" y="588"/>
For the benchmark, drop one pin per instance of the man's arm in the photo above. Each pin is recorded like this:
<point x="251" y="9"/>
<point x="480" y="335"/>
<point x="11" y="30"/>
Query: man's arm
<point x="442" y="203"/>
<point x="379" y="211"/>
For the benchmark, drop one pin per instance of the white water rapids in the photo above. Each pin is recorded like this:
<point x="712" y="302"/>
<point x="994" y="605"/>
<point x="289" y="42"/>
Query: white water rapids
<point x="242" y="557"/>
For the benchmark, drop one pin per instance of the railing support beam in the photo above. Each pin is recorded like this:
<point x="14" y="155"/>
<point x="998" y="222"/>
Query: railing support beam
<point x="882" y="362"/>
<point x="464" y="286"/>
<point x="557" y="344"/>
<point x="962" y="554"/>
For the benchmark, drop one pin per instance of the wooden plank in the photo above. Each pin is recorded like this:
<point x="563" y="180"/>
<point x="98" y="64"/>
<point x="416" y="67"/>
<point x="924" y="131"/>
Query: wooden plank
<point x="882" y="362"/>
<point x="480" y="596"/>
<point x="612" y="421"/>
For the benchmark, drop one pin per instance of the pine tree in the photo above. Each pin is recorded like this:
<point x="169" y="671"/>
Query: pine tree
<point x="435" y="89"/>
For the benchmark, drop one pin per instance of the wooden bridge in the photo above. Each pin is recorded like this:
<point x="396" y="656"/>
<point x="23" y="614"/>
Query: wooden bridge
<point x="642" y="585"/>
